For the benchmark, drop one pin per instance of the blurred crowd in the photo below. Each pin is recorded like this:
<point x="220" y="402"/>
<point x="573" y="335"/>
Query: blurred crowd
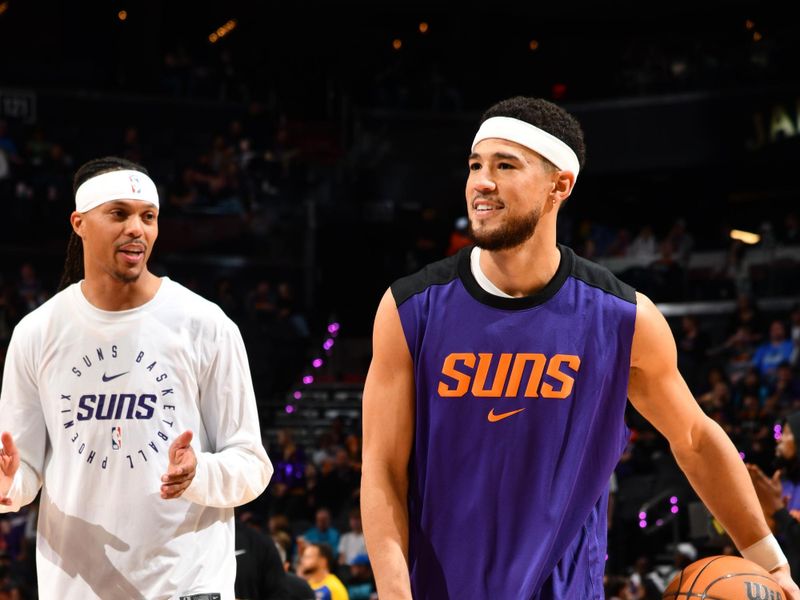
<point x="422" y="71"/>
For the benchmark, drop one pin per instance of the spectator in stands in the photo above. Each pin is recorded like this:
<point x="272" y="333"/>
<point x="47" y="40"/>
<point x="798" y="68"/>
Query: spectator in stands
<point x="278" y="522"/>
<point x="785" y="390"/>
<point x="644" y="245"/>
<point x="294" y="587"/>
<point x="284" y="543"/>
<point x="352" y="444"/>
<point x="667" y="275"/>
<point x="325" y="448"/>
<point x="37" y="148"/>
<point x="682" y="242"/>
<point x="259" y="569"/>
<point x="29" y="288"/>
<point x="261" y="304"/>
<point x="352" y="543"/>
<point x="348" y="475"/>
<point x="621" y="243"/>
<point x="715" y="401"/>
<point x="747" y="314"/>
<point x="714" y="374"/>
<point x="361" y="584"/>
<point x="289" y="312"/>
<point x="643" y="580"/>
<point x="51" y="179"/>
<point x="750" y="384"/>
<point x="300" y="546"/>
<point x="660" y="577"/>
<point x="738" y="352"/>
<point x="619" y="588"/>
<point x="323" y="532"/>
<point x="458" y="237"/>
<point x="779" y="495"/>
<point x="289" y="480"/>
<point x="316" y="565"/>
<point x="773" y="352"/>
<point x="733" y="273"/>
<point x="282" y="155"/>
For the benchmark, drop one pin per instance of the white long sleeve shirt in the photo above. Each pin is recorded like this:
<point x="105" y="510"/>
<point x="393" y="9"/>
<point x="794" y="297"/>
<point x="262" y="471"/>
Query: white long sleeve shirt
<point x="94" y="399"/>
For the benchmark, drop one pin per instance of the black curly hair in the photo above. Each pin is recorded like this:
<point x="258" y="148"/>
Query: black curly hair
<point x="545" y="115"/>
<point x="73" y="264"/>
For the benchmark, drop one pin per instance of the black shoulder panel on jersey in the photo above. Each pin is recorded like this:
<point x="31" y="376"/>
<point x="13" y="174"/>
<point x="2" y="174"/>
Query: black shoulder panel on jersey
<point x="438" y="273"/>
<point x="600" y="277"/>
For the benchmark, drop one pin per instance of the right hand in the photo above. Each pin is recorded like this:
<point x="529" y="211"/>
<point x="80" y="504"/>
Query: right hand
<point x="784" y="579"/>
<point x="769" y="489"/>
<point x="9" y="463"/>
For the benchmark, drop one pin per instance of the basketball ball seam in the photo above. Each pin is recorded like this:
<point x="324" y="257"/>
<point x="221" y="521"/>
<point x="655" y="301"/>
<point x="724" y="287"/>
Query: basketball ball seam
<point x="700" y="572"/>
<point x="729" y="575"/>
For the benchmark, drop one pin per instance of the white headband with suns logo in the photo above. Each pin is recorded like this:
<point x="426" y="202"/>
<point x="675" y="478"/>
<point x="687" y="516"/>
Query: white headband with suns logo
<point x="530" y="136"/>
<point x="121" y="184"/>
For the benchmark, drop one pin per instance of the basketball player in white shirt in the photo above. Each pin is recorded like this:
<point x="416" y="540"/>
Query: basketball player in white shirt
<point x="127" y="399"/>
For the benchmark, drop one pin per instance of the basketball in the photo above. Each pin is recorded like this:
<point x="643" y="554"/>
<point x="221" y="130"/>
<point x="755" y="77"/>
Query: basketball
<point x="723" y="578"/>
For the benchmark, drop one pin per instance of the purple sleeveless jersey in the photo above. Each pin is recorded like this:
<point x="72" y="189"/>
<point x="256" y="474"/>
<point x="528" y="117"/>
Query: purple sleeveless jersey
<point x="518" y="426"/>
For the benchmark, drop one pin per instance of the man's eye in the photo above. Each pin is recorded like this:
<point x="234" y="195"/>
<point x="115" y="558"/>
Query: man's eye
<point x="474" y="166"/>
<point x="505" y="166"/>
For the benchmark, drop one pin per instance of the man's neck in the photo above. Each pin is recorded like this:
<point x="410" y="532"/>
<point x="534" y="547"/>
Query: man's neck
<point x="107" y="293"/>
<point x="524" y="270"/>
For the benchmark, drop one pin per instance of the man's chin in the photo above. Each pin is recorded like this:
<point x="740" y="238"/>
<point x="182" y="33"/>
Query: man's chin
<point x="508" y="235"/>
<point x="127" y="277"/>
<point x="499" y="240"/>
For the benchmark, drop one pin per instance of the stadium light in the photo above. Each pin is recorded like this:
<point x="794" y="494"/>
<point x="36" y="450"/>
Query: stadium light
<point x="221" y="31"/>
<point x="747" y="237"/>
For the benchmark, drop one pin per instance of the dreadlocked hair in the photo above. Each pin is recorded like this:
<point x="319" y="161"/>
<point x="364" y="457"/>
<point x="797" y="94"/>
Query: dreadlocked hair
<point x="73" y="263"/>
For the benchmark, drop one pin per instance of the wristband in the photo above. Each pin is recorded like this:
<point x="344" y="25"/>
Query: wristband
<point x="766" y="553"/>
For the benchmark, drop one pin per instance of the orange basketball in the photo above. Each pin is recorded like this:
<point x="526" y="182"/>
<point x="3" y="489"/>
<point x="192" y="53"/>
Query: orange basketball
<point x="723" y="578"/>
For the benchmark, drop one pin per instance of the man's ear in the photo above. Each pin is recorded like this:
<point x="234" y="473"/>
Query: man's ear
<point x="564" y="185"/>
<point x="77" y="222"/>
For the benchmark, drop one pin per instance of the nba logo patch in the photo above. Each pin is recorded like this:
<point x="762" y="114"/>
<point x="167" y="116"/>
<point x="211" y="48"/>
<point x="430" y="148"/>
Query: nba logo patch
<point x="116" y="438"/>
<point x="136" y="186"/>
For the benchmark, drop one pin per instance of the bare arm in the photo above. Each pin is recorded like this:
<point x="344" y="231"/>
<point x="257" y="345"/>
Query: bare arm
<point x="703" y="451"/>
<point x="388" y="422"/>
<point x="706" y="455"/>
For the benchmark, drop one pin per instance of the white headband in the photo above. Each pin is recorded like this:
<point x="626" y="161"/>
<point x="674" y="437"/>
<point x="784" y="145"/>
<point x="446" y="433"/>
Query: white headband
<point x="530" y="136"/>
<point x="115" y="185"/>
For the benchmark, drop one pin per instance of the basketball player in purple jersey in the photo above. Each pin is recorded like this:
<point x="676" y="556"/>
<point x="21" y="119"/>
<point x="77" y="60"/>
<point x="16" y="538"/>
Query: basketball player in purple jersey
<point x="493" y="408"/>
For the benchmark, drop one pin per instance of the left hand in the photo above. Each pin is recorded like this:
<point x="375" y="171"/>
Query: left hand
<point x="784" y="579"/>
<point x="181" y="469"/>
